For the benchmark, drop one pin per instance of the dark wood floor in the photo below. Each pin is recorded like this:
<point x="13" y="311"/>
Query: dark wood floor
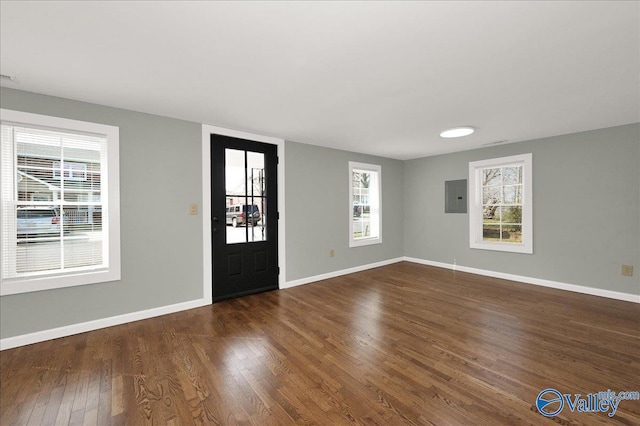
<point x="402" y="344"/>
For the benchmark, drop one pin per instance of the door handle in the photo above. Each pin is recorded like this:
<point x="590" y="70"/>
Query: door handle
<point x="215" y="219"/>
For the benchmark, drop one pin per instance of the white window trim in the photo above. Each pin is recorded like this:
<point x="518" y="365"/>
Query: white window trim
<point x="371" y="240"/>
<point x="111" y="218"/>
<point x="475" y="204"/>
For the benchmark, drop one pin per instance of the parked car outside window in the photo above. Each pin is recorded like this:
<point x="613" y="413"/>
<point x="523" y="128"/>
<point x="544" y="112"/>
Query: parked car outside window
<point x="241" y="214"/>
<point x="37" y="221"/>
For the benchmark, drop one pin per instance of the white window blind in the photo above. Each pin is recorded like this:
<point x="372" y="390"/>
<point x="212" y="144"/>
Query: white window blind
<point x="55" y="206"/>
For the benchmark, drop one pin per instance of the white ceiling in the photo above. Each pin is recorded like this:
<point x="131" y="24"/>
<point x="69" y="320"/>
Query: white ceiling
<point x="377" y="77"/>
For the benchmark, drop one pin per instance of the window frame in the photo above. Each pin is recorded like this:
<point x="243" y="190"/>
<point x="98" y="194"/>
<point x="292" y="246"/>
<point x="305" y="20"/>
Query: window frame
<point x="110" y="270"/>
<point x="475" y="204"/>
<point x="365" y="241"/>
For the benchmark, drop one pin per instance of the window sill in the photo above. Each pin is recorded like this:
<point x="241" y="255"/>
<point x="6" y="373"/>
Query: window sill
<point x="365" y="242"/>
<point x="507" y="247"/>
<point x="48" y="282"/>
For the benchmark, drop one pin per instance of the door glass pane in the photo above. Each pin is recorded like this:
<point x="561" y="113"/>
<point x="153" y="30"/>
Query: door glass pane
<point x="235" y="176"/>
<point x="236" y="190"/>
<point x="246" y="197"/>
<point x="234" y="221"/>
<point x="256" y="197"/>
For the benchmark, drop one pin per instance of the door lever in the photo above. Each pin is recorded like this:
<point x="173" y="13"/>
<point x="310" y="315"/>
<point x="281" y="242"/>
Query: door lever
<point x="215" y="219"/>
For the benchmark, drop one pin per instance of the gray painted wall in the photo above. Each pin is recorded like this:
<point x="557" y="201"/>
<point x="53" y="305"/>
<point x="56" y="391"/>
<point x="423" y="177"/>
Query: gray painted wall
<point x="160" y="175"/>
<point x="317" y="208"/>
<point x="586" y="212"/>
<point x="161" y="245"/>
<point x="592" y="178"/>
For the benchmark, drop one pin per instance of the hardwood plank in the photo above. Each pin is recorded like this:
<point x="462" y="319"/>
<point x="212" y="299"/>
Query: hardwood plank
<point x="398" y="345"/>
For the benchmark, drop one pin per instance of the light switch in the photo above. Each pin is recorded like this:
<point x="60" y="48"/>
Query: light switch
<point x="193" y="209"/>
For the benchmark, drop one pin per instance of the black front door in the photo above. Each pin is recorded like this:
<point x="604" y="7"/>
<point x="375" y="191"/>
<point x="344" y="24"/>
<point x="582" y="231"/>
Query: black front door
<point x="244" y="211"/>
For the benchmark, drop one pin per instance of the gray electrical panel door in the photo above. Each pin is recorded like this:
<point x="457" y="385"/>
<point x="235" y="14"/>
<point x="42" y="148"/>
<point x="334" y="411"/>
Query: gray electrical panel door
<point x="455" y="196"/>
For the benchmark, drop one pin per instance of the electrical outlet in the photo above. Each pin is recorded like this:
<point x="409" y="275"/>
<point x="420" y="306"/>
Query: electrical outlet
<point x="332" y="253"/>
<point x="193" y="209"/>
<point x="627" y="270"/>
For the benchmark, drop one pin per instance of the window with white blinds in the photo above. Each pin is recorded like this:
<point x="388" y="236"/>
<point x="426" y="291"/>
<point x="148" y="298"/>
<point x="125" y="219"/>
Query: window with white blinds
<point x="59" y="219"/>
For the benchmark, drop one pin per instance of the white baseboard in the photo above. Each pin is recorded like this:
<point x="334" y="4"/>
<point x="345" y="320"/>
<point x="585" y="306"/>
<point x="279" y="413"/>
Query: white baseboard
<point x="627" y="297"/>
<point x="334" y="274"/>
<point x="69" y="330"/>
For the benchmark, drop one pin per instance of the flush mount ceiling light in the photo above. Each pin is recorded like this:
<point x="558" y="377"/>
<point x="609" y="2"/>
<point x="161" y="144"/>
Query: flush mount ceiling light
<point x="457" y="132"/>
